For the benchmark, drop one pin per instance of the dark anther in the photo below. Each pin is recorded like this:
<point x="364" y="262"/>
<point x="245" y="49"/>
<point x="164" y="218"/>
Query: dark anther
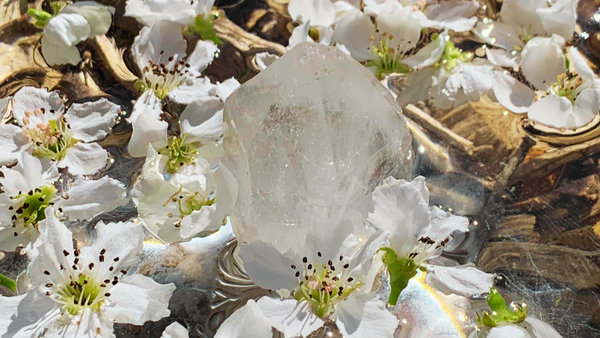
<point x="107" y="294"/>
<point x="319" y="254"/>
<point x="293" y="267"/>
<point x="304" y="260"/>
<point x="309" y="266"/>
<point x="346" y="266"/>
<point x="66" y="253"/>
<point x="103" y="251"/>
<point x="48" y="285"/>
<point x="116" y="259"/>
<point x="350" y="280"/>
<point x="297" y="273"/>
<point x="329" y="262"/>
<point x="47" y="273"/>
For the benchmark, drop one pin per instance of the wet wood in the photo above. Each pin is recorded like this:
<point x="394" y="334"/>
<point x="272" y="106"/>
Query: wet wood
<point x="516" y="228"/>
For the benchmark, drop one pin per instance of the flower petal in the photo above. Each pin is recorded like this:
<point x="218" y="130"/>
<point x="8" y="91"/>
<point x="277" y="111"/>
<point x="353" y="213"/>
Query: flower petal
<point x="200" y="221"/>
<point x="523" y="13"/>
<point x="429" y="54"/>
<point x="265" y="59"/>
<point x="289" y="316"/>
<point x="26" y="175"/>
<point x="418" y="84"/>
<point x="464" y="280"/>
<point x="28" y="99"/>
<point x="503" y="58"/>
<point x="559" y="18"/>
<point x="67" y="29"/>
<point x="147" y="129"/>
<point x="151" y="11"/>
<point x="147" y="103"/>
<point x="512" y="94"/>
<point x="539" y="329"/>
<point x="138" y="299"/>
<point x="25" y="315"/>
<point x="318" y="12"/>
<point x="186" y="94"/>
<point x="505" y="331"/>
<point x="268" y="268"/>
<point x="299" y="35"/>
<point x="363" y="315"/>
<point x="246" y="322"/>
<point x="88" y="198"/>
<point x="163" y="36"/>
<point x="92" y="121"/>
<point x="552" y="111"/>
<point x="581" y="66"/>
<point x="202" y="120"/>
<point x="499" y="34"/>
<point x="12" y="142"/>
<point x="354" y="31"/>
<point x="227" y="87"/>
<point x="59" y="54"/>
<point x="84" y="159"/>
<point x="201" y="57"/>
<point x="175" y="330"/>
<point x="400" y="26"/>
<point x="456" y="15"/>
<point x="542" y="60"/>
<point x="587" y="105"/>
<point x="98" y="16"/>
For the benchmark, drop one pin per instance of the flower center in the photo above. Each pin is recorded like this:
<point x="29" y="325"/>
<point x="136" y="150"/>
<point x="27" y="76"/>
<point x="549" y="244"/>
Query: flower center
<point x="163" y="78"/>
<point x="567" y="86"/>
<point x="188" y="202"/>
<point x="322" y="287"/>
<point x="179" y="153"/>
<point x="29" y="208"/>
<point x="452" y="55"/>
<point x="386" y="59"/>
<point x="49" y="140"/>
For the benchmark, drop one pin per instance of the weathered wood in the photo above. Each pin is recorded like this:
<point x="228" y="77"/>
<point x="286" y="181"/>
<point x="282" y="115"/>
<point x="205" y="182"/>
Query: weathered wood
<point x="516" y="228"/>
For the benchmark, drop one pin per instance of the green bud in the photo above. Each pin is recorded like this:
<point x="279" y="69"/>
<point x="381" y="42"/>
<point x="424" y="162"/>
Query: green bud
<point x="41" y="17"/>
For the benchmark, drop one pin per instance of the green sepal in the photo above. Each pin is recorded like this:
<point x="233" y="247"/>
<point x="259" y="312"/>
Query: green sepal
<point x="500" y="313"/>
<point x="401" y="270"/>
<point x="57" y="6"/>
<point x="41" y="17"/>
<point x="206" y="28"/>
<point x="9" y="283"/>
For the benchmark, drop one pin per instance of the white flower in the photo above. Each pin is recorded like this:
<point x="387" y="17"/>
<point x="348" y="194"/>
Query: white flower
<point x="28" y="189"/>
<point x="570" y="100"/>
<point x="530" y="328"/>
<point x="73" y="24"/>
<point x="47" y="131"/>
<point x="446" y="73"/>
<point x="81" y="292"/>
<point x="318" y="12"/>
<point x="191" y="202"/>
<point x="175" y="330"/>
<point x="247" y="322"/>
<point x="159" y="51"/>
<point x="306" y="33"/>
<point x="522" y="20"/>
<point x="180" y="11"/>
<point x="322" y="275"/>
<point x="418" y="233"/>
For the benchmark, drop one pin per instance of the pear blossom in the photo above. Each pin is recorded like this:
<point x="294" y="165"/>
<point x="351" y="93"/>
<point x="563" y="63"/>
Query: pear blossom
<point x="70" y="25"/>
<point x="504" y="321"/>
<point x="247" y="322"/>
<point x="520" y="22"/>
<point x="417" y="233"/>
<point x="28" y="189"/>
<point x="324" y="274"/>
<point x="193" y="201"/>
<point x="175" y="330"/>
<point x="82" y="291"/>
<point x="194" y="15"/>
<point x="447" y="74"/>
<point x="66" y="137"/>
<point x="570" y="100"/>
<point x="159" y="51"/>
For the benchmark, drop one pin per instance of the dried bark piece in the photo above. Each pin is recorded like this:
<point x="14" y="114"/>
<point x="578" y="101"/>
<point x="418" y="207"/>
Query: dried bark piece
<point x="516" y="228"/>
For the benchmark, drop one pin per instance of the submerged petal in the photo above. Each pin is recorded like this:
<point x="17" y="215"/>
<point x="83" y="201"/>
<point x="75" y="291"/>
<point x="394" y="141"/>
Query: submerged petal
<point x="364" y="315"/>
<point x="551" y="111"/>
<point x="289" y="316"/>
<point x="92" y="121"/>
<point x="84" y="159"/>
<point x="246" y="322"/>
<point x="464" y="280"/>
<point x="512" y="94"/>
<point x="542" y="60"/>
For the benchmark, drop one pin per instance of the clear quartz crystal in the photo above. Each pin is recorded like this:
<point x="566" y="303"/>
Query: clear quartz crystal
<point x="308" y="139"/>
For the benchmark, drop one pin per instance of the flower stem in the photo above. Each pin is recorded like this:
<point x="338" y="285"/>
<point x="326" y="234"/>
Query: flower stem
<point x="401" y="270"/>
<point x="9" y="283"/>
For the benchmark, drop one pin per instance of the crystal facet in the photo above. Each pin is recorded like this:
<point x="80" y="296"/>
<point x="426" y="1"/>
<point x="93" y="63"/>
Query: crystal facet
<point x="308" y="139"/>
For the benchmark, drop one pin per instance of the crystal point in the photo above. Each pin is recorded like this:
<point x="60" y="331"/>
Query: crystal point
<point x="308" y="139"/>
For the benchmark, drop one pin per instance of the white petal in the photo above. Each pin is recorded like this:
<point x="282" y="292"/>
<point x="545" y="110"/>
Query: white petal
<point x="363" y="315"/>
<point x="512" y="94"/>
<point x="444" y="225"/>
<point x="200" y="221"/>
<point x="163" y="36"/>
<point x="552" y="111"/>
<point x="354" y="31"/>
<point x="268" y="268"/>
<point x="374" y="7"/>
<point x="581" y="66"/>
<point x="8" y="241"/>
<point x="12" y="142"/>
<point x="147" y="129"/>
<point x="289" y="316"/>
<point x="559" y="18"/>
<point x="587" y="105"/>
<point x="85" y="325"/>
<point x="67" y="29"/>
<point x="227" y="87"/>
<point x="59" y="54"/>
<point x="147" y="103"/>
<point x="540" y="329"/>
<point x="499" y="34"/>
<point x="175" y="330"/>
<point x="474" y="79"/>
<point x="400" y="209"/>
<point x="201" y="57"/>
<point x="138" y="299"/>
<point x="92" y="121"/>
<point x="419" y="82"/>
<point x="265" y="59"/>
<point x="186" y="94"/>
<point x="151" y="11"/>
<point x="26" y="175"/>
<point x="456" y="15"/>
<point x="84" y="159"/>
<point x="506" y="331"/>
<point x="25" y="315"/>
<point x="523" y="13"/>
<point x="318" y="12"/>
<point x="98" y="16"/>
<point x="122" y="240"/>
<point x="402" y="25"/>
<point x="28" y="99"/>
<point x="202" y="120"/>
<point x="429" y="54"/>
<point x="464" y="280"/>
<point x="246" y="322"/>
<point x="542" y="60"/>
<point x="88" y="198"/>
<point x="299" y="35"/>
<point x="503" y="58"/>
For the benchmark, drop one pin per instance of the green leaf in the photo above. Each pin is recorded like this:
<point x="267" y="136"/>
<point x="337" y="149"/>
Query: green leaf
<point x="401" y="270"/>
<point x="206" y="29"/>
<point x="9" y="283"/>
